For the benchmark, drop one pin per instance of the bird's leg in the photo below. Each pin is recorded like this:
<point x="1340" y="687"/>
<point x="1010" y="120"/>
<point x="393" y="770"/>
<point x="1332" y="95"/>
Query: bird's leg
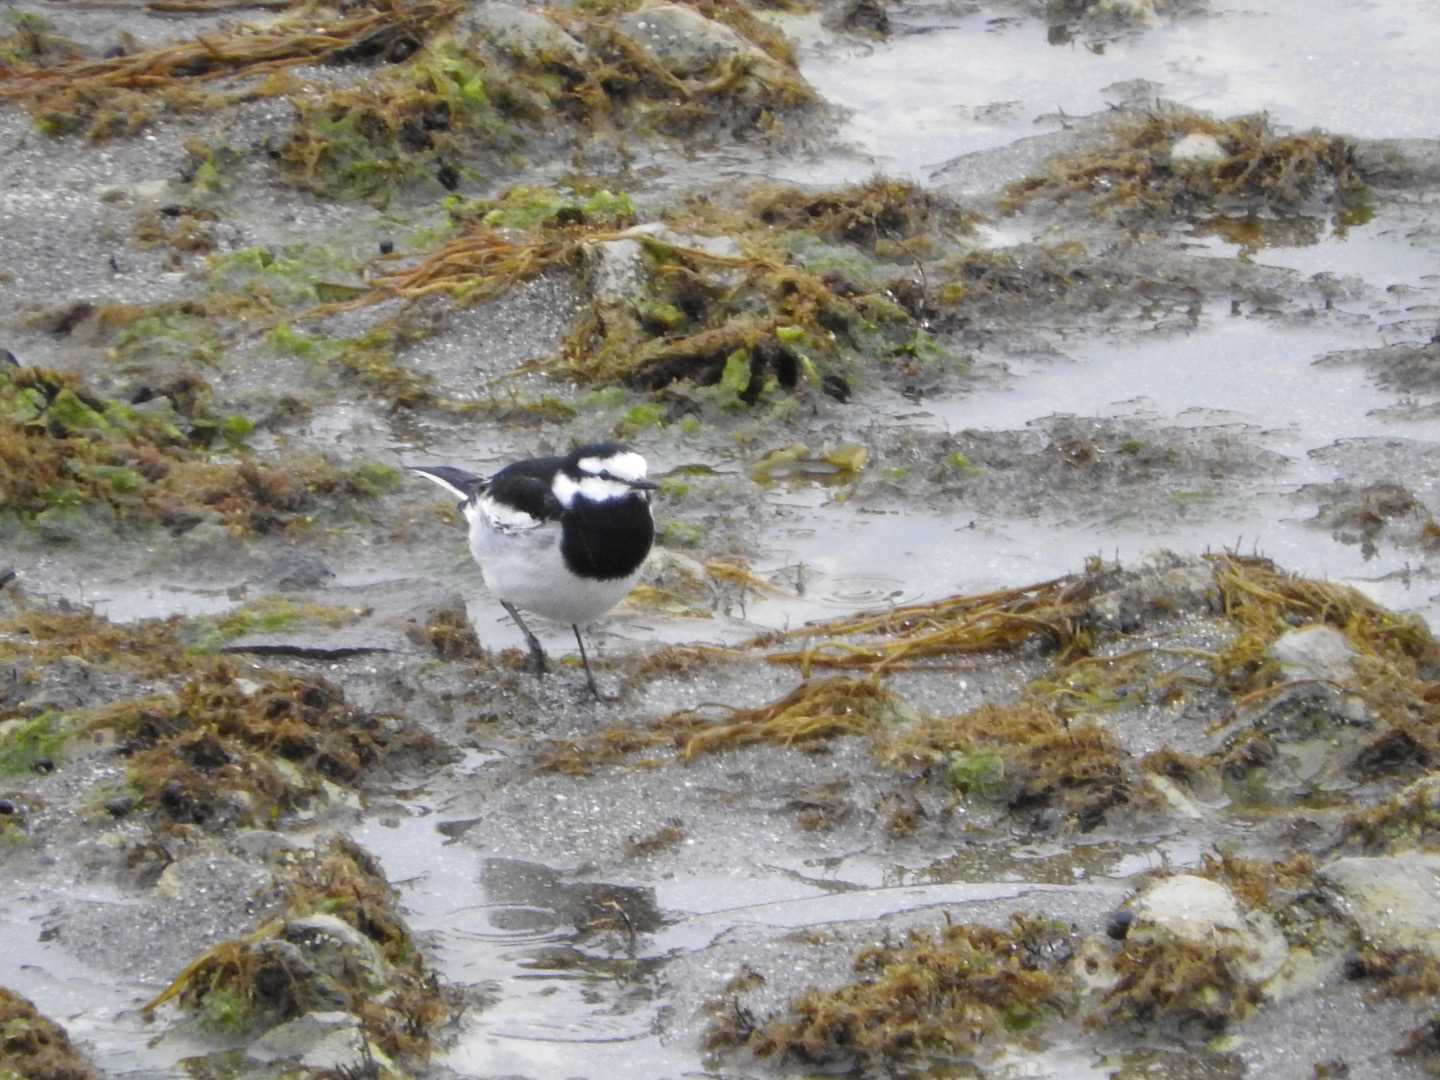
<point x="537" y="654"/>
<point x="589" y="675"/>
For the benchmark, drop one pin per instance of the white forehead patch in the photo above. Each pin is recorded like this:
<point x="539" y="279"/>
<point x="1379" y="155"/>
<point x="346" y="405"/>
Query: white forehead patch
<point x="626" y="465"/>
<point x="592" y="489"/>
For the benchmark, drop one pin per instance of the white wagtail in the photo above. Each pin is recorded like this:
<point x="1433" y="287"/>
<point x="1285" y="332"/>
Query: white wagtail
<point x="563" y="537"/>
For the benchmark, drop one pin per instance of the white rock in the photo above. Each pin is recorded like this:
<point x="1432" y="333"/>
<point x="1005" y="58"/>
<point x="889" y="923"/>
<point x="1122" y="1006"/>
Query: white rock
<point x="1315" y="652"/>
<point x="1204" y="912"/>
<point x="1180" y="802"/>
<point x="683" y="41"/>
<point x="1197" y="148"/>
<point x="525" y="35"/>
<point x="1393" y="899"/>
<point x="619" y="271"/>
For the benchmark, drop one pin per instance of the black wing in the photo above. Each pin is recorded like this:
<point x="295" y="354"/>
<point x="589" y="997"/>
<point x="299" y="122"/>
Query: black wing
<point x="526" y="486"/>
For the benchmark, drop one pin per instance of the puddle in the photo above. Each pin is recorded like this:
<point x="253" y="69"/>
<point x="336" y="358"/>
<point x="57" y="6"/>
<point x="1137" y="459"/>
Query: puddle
<point x="572" y="1006"/>
<point x="98" y="1011"/>
<point x="561" y="1009"/>
<point x="1342" y="67"/>
<point x="1232" y="372"/>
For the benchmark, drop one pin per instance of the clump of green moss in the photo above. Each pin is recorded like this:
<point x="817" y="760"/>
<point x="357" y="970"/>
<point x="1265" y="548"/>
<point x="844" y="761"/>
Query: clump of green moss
<point x="34" y="1045"/>
<point x="530" y="207"/>
<point x="207" y="747"/>
<point x="449" y="633"/>
<point x="886" y="219"/>
<point x="37" y="637"/>
<point x="296" y="963"/>
<point x="31" y="745"/>
<point x="119" y="95"/>
<point x="1255" y="168"/>
<point x="941" y="998"/>
<point x="1025" y="758"/>
<point x="74" y="463"/>
<point x="1256" y="881"/>
<point x="29" y="40"/>
<point x="267" y="615"/>
<point x="731" y="329"/>
<point x="1393" y="655"/>
<point x="402" y="127"/>
<point x="219" y="753"/>
<point x="1407" y="820"/>
<point x="1412" y="974"/>
<point x="1188" y="988"/>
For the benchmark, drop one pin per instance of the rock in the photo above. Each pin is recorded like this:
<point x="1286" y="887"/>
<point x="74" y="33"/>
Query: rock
<point x="296" y="570"/>
<point x="1304" y="738"/>
<point x="1394" y="900"/>
<point x="1204" y="912"/>
<point x="1315" y="652"/>
<point x="1197" y="148"/>
<point x="318" y="1040"/>
<point x="525" y="35"/>
<point x="1165" y="587"/>
<point x="1179" y="802"/>
<point x="620" y="272"/>
<point x="684" y="42"/>
<point x="260" y="844"/>
<point x="335" y="948"/>
<point x="1398" y="163"/>
<point x="74" y="524"/>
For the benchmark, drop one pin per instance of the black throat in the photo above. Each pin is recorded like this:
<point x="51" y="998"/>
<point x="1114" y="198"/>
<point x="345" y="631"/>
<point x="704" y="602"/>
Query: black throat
<point x="606" y="540"/>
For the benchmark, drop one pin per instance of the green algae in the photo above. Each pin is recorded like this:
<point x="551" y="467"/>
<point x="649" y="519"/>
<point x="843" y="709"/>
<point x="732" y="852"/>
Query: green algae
<point x="1133" y="170"/>
<point x="728" y="331"/>
<point x="32" y="745"/>
<point x="529" y="207"/>
<point x="120" y="95"/>
<point x="1183" y="987"/>
<point x="296" y="963"/>
<point x="274" y="279"/>
<point x="1025" y="758"/>
<point x="395" y="132"/>
<point x="32" y="1045"/>
<point x="205" y="746"/>
<point x="77" y="464"/>
<point x="267" y="615"/>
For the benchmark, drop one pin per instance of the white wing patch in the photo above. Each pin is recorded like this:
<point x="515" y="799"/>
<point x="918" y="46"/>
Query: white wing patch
<point x="500" y="516"/>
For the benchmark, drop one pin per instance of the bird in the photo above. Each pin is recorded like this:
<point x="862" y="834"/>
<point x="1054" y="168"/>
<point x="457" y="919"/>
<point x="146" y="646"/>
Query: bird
<point x="563" y="537"/>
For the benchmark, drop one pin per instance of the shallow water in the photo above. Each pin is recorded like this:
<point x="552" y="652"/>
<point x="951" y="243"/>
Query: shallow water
<point x="979" y="81"/>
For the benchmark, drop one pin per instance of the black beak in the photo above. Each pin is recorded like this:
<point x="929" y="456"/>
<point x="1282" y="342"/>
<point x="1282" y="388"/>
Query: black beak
<point x="643" y="485"/>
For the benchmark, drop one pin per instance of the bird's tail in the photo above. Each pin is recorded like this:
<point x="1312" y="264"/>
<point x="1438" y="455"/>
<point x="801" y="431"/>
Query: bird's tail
<point x="458" y="482"/>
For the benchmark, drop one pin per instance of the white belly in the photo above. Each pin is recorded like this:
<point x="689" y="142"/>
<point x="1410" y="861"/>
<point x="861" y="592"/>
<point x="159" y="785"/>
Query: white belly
<point x="526" y="569"/>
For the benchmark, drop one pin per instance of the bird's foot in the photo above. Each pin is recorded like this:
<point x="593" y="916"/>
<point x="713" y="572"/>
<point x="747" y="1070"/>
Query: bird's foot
<point x="536" y="663"/>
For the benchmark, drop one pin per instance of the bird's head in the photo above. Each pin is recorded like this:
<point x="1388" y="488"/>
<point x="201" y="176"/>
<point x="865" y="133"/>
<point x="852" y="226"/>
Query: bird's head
<point x="600" y="472"/>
